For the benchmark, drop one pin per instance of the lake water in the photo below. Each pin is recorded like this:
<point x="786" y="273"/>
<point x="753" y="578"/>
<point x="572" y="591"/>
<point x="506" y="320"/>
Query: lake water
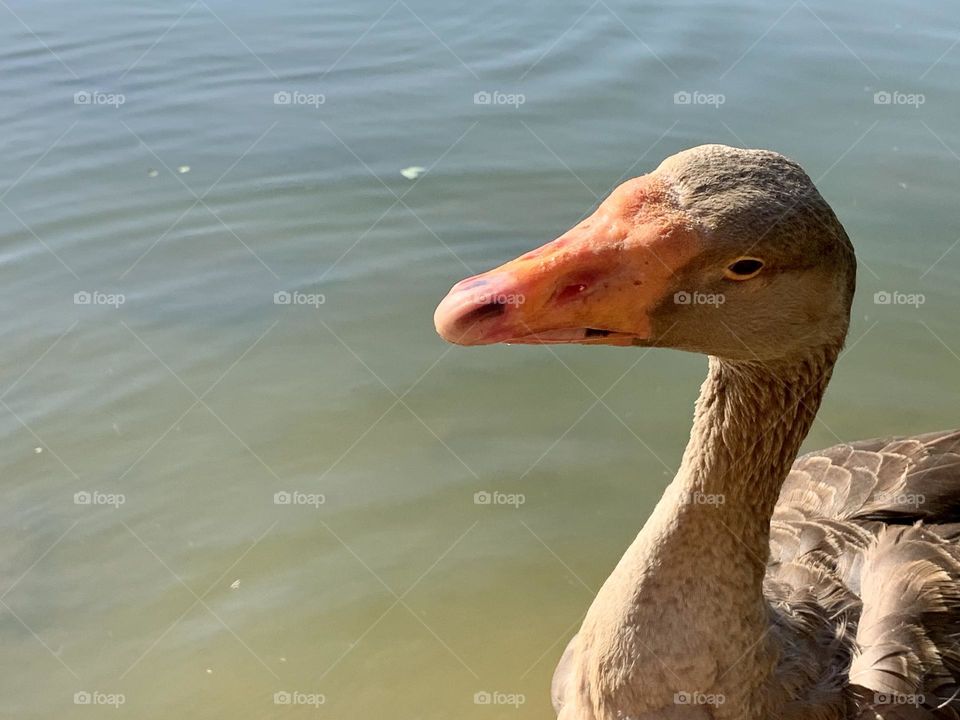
<point x="169" y="168"/>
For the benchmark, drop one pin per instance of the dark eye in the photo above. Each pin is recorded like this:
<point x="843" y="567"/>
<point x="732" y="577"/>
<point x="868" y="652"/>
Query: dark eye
<point x="744" y="268"/>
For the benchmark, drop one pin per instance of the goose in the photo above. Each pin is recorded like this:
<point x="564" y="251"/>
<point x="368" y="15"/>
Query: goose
<point x="762" y="585"/>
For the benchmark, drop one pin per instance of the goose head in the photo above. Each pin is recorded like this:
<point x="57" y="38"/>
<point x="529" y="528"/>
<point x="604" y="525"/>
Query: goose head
<point x="720" y="250"/>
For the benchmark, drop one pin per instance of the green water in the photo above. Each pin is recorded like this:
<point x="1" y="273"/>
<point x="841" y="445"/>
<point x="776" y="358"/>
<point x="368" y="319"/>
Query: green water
<point x="198" y="397"/>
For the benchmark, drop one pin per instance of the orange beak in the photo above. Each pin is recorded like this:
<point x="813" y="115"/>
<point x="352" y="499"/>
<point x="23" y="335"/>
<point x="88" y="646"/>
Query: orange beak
<point x="596" y="284"/>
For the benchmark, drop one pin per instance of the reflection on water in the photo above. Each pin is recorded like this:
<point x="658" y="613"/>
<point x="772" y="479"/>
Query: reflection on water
<point x="241" y="473"/>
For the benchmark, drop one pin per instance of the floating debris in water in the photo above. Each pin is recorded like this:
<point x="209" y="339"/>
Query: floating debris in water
<point x="183" y="169"/>
<point x="235" y="584"/>
<point x="152" y="172"/>
<point x="209" y="671"/>
<point x="413" y="172"/>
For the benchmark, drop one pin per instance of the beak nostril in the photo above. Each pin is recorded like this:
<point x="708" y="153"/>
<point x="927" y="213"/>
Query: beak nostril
<point x="492" y="309"/>
<point x="571" y="291"/>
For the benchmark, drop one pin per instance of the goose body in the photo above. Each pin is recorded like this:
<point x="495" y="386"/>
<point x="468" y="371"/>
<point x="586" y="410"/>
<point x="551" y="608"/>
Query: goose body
<point x="763" y="585"/>
<point x="861" y="583"/>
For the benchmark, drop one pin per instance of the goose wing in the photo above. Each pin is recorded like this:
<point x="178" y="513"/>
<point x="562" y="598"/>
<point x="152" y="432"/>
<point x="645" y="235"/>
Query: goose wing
<point x="864" y="556"/>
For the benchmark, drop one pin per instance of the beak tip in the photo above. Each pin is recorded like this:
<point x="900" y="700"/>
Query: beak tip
<point x="445" y="319"/>
<point x="440" y="326"/>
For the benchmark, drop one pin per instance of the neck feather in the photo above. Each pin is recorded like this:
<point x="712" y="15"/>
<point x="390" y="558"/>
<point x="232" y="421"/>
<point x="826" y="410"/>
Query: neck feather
<point x="749" y="423"/>
<point x="689" y="590"/>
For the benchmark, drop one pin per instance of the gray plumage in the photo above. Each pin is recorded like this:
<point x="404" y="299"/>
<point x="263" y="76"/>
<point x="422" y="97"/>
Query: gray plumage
<point x="864" y="557"/>
<point x="863" y="585"/>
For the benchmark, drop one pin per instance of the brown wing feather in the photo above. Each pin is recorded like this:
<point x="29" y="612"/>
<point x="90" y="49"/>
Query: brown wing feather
<point x="864" y="555"/>
<point x="898" y="480"/>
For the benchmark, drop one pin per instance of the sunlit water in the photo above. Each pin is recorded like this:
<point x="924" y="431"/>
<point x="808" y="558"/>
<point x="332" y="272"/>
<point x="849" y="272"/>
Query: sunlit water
<point x="198" y="398"/>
